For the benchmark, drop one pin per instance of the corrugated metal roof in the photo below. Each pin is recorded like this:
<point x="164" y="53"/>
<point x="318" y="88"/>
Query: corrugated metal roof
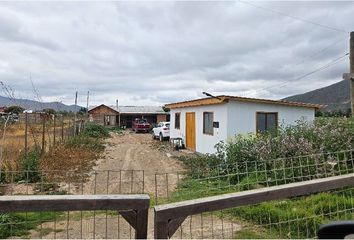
<point x="141" y="109"/>
<point x="136" y="109"/>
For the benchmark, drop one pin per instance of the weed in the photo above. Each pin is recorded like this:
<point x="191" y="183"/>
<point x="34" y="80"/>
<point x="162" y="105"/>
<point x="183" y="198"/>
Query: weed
<point x="29" y="166"/>
<point x="96" y="131"/>
<point x="83" y="141"/>
<point x="116" y="129"/>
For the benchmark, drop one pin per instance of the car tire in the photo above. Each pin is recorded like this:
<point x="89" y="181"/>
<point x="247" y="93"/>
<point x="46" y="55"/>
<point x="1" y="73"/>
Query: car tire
<point x="161" y="137"/>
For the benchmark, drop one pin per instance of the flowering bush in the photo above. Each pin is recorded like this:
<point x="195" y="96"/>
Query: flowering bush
<point x="323" y="135"/>
<point x="276" y="153"/>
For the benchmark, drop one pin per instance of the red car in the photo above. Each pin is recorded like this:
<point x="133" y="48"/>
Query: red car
<point x="140" y="125"/>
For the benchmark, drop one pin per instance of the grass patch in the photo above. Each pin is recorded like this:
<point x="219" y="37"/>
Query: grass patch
<point x="251" y="234"/>
<point x="297" y="218"/>
<point x="19" y="224"/>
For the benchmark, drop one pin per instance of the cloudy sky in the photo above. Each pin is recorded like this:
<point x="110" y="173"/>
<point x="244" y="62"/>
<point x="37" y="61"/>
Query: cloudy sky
<point x="150" y="53"/>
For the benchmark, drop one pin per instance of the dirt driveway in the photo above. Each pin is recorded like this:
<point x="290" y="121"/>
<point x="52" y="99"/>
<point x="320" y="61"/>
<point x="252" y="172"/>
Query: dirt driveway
<point x="119" y="171"/>
<point x="129" y="165"/>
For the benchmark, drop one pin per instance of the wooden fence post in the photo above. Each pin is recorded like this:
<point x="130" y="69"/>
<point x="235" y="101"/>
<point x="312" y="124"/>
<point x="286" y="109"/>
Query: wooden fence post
<point x="54" y="130"/>
<point x="62" y="128"/>
<point x="43" y="133"/>
<point x="161" y="229"/>
<point x="26" y="134"/>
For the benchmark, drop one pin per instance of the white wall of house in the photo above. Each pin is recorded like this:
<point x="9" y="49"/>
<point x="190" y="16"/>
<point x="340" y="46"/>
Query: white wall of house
<point x="234" y="118"/>
<point x="204" y="143"/>
<point x="242" y="115"/>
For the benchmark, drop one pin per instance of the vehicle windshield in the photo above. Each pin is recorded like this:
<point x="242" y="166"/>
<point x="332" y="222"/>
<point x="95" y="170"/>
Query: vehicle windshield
<point x="168" y="125"/>
<point x="142" y="121"/>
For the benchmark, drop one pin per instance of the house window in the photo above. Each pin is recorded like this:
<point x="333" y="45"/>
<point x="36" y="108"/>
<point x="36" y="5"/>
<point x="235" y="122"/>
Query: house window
<point x="208" y="119"/>
<point x="177" y="120"/>
<point x="266" y="121"/>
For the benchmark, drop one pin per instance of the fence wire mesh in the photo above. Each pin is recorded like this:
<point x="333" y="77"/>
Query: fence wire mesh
<point x="71" y="224"/>
<point x="66" y="225"/>
<point x="292" y="218"/>
<point x="201" y="181"/>
<point x="39" y="132"/>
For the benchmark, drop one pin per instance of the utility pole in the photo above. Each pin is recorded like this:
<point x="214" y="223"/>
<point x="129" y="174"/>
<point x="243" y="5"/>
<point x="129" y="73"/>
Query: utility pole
<point x="350" y="76"/>
<point x="87" y="101"/>
<point x="117" y="106"/>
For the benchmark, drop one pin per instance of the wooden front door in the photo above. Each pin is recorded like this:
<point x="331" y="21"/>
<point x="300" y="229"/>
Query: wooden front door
<point x="190" y="130"/>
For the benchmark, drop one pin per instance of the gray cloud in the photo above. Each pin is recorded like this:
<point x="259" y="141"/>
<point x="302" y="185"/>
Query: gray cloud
<point x="160" y="52"/>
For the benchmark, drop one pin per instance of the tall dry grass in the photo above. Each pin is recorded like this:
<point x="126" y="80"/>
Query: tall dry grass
<point x="14" y="141"/>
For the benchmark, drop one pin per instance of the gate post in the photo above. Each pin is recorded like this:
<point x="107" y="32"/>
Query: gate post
<point x="141" y="224"/>
<point x="160" y="229"/>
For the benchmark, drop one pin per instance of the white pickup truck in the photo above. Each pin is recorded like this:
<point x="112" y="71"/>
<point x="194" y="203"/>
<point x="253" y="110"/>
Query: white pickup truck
<point x="161" y="131"/>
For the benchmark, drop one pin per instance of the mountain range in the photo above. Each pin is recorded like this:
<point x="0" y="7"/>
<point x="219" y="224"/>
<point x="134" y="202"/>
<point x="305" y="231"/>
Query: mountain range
<point x="335" y="96"/>
<point x="36" y="105"/>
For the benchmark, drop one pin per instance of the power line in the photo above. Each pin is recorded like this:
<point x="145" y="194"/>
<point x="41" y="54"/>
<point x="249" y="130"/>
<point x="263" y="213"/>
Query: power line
<point x="323" y="49"/>
<point x="294" y="17"/>
<point x="332" y="63"/>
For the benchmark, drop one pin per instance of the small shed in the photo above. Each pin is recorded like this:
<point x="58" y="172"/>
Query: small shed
<point x="202" y="123"/>
<point x="124" y="115"/>
<point x="103" y="115"/>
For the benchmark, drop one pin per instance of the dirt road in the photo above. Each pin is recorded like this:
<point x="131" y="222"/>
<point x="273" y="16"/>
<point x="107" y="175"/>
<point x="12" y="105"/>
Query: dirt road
<point x="129" y="165"/>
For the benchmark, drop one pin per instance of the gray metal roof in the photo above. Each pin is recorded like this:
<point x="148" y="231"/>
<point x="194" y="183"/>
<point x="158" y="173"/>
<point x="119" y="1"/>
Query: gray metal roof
<point x="141" y="109"/>
<point x="136" y="109"/>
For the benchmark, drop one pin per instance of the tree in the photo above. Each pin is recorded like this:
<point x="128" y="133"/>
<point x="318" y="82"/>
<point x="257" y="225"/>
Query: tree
<point x="14" y="109"/>
<point x="82" y="111"/>
<point x="49" y="110"/>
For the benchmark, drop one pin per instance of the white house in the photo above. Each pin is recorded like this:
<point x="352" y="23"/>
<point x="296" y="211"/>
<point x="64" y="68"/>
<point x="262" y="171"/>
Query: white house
<point x="202" y="123"/>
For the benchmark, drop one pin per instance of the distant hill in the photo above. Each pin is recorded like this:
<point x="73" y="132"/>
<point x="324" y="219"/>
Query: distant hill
<point x="37" y="106"/>
<point x="335" y="96"/>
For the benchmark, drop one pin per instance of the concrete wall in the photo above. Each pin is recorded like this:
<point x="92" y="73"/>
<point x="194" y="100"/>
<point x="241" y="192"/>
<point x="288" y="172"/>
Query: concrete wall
<point x="242" y="115"/>
<point x="204" y="143"/>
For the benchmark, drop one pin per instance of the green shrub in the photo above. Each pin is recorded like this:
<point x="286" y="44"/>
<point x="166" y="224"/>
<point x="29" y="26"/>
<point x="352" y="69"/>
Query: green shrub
<point x="289" y="154"/>
<point x="201" y="165"/>
<point x="96" y="131"/>
<point x="272" y="153"/>
<point x="84" y="141"/>
<point x="29" y="166"/>
<point x="115" y="129"/>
